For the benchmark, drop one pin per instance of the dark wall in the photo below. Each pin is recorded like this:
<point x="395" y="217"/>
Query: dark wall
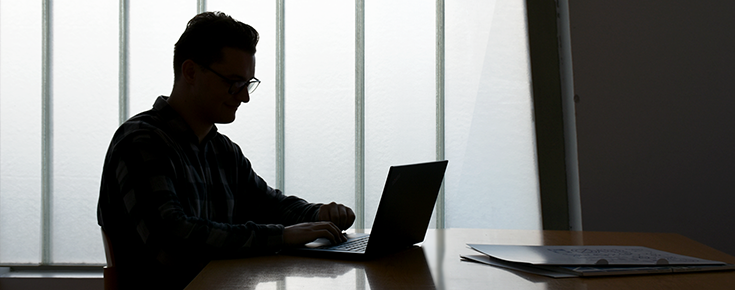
<point x="656" y="116"/>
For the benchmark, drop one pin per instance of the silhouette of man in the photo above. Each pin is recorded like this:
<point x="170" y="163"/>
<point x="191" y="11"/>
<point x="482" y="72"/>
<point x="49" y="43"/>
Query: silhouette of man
<point x="176" y="194"/>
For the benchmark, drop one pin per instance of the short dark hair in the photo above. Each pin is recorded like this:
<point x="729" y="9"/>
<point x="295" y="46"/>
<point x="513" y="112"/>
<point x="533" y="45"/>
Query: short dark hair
<point x="207" y="34"/>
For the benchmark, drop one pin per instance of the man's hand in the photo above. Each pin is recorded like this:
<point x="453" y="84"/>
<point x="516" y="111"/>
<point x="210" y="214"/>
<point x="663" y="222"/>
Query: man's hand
<point x="340" y="215"/>
<point x="303" y="233"/>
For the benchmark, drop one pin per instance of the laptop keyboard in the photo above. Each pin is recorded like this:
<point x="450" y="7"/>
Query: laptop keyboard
<point x="356" y="245"/>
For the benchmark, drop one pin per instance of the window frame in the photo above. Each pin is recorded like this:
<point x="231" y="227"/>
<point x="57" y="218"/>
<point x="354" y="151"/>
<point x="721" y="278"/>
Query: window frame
<point x="550" y="53"/>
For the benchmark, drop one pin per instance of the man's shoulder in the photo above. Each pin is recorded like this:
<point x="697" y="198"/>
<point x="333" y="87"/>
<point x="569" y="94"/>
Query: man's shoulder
<point x="147" y="119"/>
<point x="146" y="124"/>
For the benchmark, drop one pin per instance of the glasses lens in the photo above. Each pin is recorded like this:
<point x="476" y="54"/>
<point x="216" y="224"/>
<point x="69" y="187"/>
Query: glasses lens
<point x="236" y="87"/>
<point x="252" y="85"/>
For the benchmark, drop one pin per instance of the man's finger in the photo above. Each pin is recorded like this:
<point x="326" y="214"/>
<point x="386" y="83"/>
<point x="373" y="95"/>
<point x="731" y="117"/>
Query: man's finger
<point x="334" y="232"/>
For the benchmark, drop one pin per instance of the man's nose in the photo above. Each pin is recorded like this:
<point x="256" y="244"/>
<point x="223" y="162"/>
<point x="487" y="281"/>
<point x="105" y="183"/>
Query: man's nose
<point x="243" y="96"/>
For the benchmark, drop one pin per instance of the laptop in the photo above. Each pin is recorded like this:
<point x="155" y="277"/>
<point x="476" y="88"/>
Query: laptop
<point x="402" y="219"/>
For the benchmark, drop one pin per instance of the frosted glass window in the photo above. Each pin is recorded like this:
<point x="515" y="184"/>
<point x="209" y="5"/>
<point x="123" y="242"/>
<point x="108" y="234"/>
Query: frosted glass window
<point x="20" y="131"/>
<point x="320" y="100"/>
<point x="400" y="92"/>
<point x="492" y="180"/>
<point x="85" y="100"/>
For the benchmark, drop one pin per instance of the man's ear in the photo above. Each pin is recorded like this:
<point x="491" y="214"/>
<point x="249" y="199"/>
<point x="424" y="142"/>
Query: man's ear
<point x="188" y="71"/>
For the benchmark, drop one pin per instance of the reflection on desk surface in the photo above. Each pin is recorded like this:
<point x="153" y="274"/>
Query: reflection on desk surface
<point x="437" y="265"/>
<point x="405" y="269"/>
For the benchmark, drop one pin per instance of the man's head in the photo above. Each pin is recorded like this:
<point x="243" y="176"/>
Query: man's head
<point x="214" y="62"/>
<point x="207" y="34"/>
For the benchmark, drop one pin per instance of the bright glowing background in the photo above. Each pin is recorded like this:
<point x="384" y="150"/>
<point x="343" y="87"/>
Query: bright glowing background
<point x="491" y="181"/>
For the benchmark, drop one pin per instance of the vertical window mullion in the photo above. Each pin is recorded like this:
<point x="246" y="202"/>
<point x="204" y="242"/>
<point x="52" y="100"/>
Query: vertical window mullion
<point x="359" y="114"/>
<point x="280" y="95"/>
<point x="47" y="134"/>
<point x="124" y="99"/>
<point x="201" y="6"/>
<point x="440" y="123"/>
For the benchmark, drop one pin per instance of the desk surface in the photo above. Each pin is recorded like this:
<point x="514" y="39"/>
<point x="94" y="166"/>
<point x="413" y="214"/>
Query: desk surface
<point x="436" y="265"/>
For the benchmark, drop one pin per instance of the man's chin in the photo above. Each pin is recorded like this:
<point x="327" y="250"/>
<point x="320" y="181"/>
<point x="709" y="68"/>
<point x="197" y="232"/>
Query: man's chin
<point x="225" y="120"/>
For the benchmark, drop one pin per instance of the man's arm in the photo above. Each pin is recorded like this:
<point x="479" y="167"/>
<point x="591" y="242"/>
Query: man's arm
<point x="301" y="227"/>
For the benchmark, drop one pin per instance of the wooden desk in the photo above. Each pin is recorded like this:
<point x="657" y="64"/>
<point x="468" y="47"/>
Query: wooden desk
<point x="436" y="265"/>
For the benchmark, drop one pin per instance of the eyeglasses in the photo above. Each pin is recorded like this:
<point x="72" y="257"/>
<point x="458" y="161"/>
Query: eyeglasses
<point x="237" y="86"/>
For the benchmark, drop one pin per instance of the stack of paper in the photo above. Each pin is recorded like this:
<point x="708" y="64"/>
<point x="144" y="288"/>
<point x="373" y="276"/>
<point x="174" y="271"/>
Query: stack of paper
<point x="576" y="261"/>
